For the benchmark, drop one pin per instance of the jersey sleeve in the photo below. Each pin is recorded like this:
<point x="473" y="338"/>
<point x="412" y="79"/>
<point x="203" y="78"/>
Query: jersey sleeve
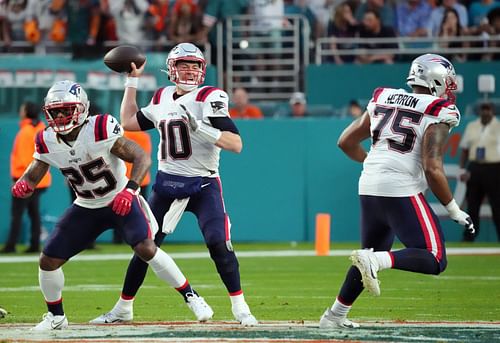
<point x="107" y="128"/>
<point x="216" y="104"/>
<point x="155" y="100"/>
<point x="445" y="112"/>
<point x="41" y="148"/>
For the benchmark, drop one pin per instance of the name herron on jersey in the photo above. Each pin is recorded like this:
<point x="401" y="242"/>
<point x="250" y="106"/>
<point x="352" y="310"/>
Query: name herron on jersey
<point x="402" y="99"/>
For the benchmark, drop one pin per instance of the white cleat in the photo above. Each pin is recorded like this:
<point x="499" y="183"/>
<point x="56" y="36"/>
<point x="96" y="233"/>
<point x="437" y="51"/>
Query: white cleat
<point x="113" y="318"/>
<point x="243" y="315"/>
<point x="330" y="321"/>
<point x="200" y="308"/>
<point x="51" y="322"/>
<point x="367" y="264"/>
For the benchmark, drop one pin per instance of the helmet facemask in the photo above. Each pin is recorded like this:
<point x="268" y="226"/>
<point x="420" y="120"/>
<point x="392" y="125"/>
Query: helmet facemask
<point x="65" y="123"/>
<point x="186" y="52"/>
<point x="66" y="106"/>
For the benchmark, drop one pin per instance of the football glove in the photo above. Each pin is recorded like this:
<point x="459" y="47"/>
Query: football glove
<point x="122" y="203"/>
<point x="460" y="216"/>
<point x="21" y="189"/>
<point x="209" y="133"/>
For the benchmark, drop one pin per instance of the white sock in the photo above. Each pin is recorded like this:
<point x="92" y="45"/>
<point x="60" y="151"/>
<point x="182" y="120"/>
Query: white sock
<point x="384" y="259"/>
<point x="123" y="306"/>
<point x="51" y="284"/>
<point x="166" y="269"/>
<point x="237" y="299"/>
<point x="340" y="310"/>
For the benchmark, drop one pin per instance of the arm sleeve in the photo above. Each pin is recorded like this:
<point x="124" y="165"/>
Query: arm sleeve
<point x="224" y="124"/>
<point x="144" y="122"/>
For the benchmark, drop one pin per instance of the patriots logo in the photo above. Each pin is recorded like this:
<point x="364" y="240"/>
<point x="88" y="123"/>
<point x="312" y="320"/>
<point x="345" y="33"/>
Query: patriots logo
<point x="441" y="61"/>
<point x="75" y="89"/>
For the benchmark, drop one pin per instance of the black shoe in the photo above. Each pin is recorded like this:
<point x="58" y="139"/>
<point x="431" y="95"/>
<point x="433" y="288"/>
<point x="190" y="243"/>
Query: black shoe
<point x="8" y="250"/>
<point x="32" y="249"/>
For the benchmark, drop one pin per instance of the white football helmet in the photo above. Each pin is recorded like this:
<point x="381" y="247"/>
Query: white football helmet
<point x="186" y="52"/>
<point x="435" y="73"/>
<point x="69" y="99"/>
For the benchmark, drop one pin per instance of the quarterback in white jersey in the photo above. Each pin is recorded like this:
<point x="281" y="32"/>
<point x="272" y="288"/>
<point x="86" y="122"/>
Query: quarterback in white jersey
<point x="408" y="133"/>
<point x="186" y="153"/>
<point x="194" y="126"/>
<point x="90" y="152"/>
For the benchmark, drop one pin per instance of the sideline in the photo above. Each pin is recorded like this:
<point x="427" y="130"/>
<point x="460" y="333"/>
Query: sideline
<point x="267" y="331"/>
<point x="240" y="254"/>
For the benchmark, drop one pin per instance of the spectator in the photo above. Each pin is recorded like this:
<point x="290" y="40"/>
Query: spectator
<point x="144" y="141"/>
<point x="413" y="20"/>
<point x="481" y="156"/>
<point x="129" y="17"/>
<point x="342" y="25"/>
<point x="45" y="22"/>
<point x="384" y="9"/>
<point x="478" y="11"/>
<point x="157" y="21"/>
<point x="450" y="28"/>
<point x="354" y="109"/>
<point x="185" y="22"/>
<point x="494" y="20"/>
<point x="20" y="159"/>
<point x="242" y="108"/>
<point x="84" y="22"/>
<point x="13" y="25"/>
<point x="437" y="15"/>
<point x="298" y="105"/>
<point x="372" y="28"/>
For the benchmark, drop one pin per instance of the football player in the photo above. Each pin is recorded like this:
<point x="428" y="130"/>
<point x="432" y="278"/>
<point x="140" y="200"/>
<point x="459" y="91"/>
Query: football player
<point x="408" y="133"/>
<point x="194" y="125"/>
<point x="90" y="152"/>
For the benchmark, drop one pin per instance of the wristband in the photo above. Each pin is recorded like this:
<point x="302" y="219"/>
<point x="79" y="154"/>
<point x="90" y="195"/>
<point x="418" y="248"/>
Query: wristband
<point x="132" y="82"/>
<point x="211" y="134"/>
<point x="132" y="185"/>
<point x="452" y="206"/>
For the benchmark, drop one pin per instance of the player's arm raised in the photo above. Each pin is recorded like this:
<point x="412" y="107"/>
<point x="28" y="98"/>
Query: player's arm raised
<point x="129" y="108"/>
<point x="131" y="152"/>
<point x="351" y="138"/>
<point x="26" y="184"/>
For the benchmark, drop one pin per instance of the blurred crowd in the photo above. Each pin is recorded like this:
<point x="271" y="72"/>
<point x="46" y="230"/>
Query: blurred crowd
<point x="86" y="24"/>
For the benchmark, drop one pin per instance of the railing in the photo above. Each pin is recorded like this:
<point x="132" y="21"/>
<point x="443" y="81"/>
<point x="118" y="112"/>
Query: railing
<point x="49" y="47"/>
<point x="407" y="46"/>
<point x="269" y="64"/>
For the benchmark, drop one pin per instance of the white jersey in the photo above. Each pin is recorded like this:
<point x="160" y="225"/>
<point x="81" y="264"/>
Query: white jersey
<point x="181" y="151"/>
<point x="398" y="121"/>
<point x="95" y="174"/>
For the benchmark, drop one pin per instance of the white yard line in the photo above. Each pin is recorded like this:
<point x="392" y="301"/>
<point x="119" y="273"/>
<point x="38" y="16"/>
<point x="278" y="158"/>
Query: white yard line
<point x="263" y="253"/>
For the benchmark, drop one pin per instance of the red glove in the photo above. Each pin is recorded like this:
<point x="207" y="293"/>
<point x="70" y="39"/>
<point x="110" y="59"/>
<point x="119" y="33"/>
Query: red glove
<point x="122" y="203"/>
<point x="21" y="189"/>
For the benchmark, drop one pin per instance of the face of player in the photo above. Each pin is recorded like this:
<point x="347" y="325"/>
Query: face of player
<point x="188" y="71"/>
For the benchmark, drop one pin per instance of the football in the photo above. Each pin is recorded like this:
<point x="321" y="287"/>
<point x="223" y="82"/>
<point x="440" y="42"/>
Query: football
<point x="119" y="58"/>
<point x="3" y="313"/>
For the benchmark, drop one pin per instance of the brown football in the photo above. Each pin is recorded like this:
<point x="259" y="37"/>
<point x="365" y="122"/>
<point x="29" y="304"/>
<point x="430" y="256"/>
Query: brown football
<point x="119" y="58"/>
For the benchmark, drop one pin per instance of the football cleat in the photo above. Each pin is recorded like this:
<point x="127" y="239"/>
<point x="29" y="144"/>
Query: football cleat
<point x="200" y="308"/>
<point x="330" y="321"/>
<point x="113" y="318"/>
<point x="51" y="322"/>
<point x="243" y="315"/>
<point x="367" y="264"/>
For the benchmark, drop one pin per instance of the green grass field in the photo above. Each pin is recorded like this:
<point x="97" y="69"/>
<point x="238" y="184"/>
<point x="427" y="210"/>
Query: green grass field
<point x="277" y="288"/>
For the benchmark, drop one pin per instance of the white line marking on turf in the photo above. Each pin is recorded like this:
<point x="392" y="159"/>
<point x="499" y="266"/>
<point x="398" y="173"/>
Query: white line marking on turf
<point x="263" y="253"/>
